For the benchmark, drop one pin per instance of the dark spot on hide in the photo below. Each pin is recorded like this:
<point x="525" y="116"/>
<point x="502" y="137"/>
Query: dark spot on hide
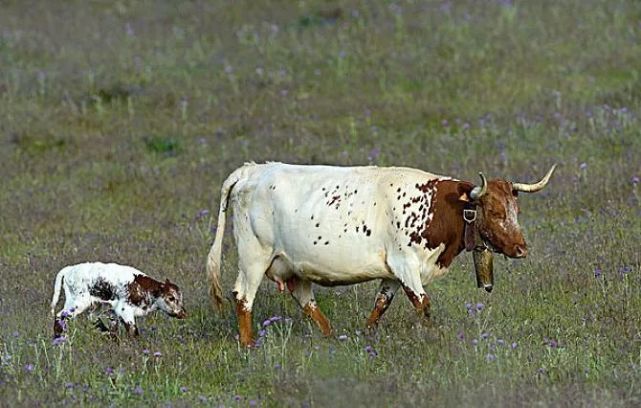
<point x="103" y="290"/>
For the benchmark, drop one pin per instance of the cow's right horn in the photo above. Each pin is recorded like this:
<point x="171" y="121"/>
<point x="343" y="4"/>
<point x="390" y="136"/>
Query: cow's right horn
<point x="478" y="191"/>
<point x="533" y="188"/>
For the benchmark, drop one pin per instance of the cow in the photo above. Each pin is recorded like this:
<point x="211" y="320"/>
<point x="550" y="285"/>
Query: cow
<point x="128" y="291"/>
<point x="301" y="225"/>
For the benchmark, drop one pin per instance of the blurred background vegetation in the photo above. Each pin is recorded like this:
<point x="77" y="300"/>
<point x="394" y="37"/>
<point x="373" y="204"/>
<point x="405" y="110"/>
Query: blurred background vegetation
<point x="119" y="120"/>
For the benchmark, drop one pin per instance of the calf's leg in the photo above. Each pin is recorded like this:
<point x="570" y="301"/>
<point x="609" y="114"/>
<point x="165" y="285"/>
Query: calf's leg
<point x="301" y="290"/>
<point x="126" y="315"/>
<point x="74" y="305"/>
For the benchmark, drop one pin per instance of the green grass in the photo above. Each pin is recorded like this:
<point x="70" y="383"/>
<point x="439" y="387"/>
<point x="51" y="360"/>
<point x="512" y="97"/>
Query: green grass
<point x="119" y="122"/>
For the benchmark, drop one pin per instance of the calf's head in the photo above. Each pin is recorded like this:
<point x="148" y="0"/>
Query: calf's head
<point x="497" y="208"/>
<point x="170" y="300"/>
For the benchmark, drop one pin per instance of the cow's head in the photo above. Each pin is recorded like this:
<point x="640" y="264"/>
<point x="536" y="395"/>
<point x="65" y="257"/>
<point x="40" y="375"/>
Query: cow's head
<point x="498" y="209"/>
<point x="170" y="300"/>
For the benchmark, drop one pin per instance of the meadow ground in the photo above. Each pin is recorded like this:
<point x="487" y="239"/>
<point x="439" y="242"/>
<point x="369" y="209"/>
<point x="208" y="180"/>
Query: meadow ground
<point x="119" y="121"/>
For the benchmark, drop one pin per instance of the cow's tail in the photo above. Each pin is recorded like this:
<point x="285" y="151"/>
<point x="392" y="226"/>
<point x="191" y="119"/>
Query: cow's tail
<point x="56" y="290"/>
<point x="215" y="253"/>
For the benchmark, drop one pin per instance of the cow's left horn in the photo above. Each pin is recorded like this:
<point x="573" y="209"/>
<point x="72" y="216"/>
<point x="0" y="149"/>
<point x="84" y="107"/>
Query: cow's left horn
<point x="533" y="188"/>
<point x="478" y="191"/>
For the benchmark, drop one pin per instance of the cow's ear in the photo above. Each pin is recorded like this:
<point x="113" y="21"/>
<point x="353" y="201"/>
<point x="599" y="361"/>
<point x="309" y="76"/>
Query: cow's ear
<point x="464" y="192"/>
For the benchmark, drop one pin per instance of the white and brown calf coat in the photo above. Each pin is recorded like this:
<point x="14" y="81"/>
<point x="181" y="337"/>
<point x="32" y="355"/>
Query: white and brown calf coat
<point x="128" y="291"/>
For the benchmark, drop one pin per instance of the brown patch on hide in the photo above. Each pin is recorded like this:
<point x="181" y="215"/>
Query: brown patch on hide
<point x="143" y="288"/>
<point x="446" y="225"/>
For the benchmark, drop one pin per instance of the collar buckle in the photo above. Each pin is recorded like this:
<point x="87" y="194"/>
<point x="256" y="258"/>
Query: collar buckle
<point x="469" y="215"/>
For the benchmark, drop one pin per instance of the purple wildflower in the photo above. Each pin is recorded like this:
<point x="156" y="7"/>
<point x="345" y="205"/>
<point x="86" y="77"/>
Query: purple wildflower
<point x="277" y="366"/>
<point x="625" y="270"/>
<point x="370" y="350"/>
<point x="59" y="340"/>
<point x="490" y="357"/>
<point x="253" y="403"/>
<point x="475" y="342"/>
<point x="514" y="345"/>
<point x="237" y="397"/>
<point x="275" y="319"/>
<point x="202" y="213"/>
<point x="460" y="335"/>
<point x="69" y="386"/>
<point x="374" y="154"/>
<point x="597" y="272"/>
<point x="262" y="333"/>
<point x="480" y="306"/>
<point x="183" y="389"/>
<point x="635" y="180"/>
<point x="500" y="342"/>
<point x="138" y="390"/>
<point x="145" y="351"/>
<point x="267" y="322"/>
<point x="485" y="335"/>
<point x="342" y="337"/>
<point x="157" y="354"/>
<point x="16" y="334"/>
<point x="109" y="370"/>
<point x="583" y="166"/>
<point x="28" y="368"/>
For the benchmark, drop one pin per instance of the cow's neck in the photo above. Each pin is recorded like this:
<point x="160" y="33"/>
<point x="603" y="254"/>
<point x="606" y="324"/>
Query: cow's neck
<point x="446" y="225"/>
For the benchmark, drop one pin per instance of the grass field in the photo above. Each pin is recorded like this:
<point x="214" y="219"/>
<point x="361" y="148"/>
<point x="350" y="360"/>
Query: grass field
<point x="120" y="120"/>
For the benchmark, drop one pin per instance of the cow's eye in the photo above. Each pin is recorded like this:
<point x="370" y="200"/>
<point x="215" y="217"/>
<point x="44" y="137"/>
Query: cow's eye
<point x="171" y="298"/>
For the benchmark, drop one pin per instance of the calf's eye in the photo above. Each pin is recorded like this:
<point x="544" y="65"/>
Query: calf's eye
<point x="171" y="298"/>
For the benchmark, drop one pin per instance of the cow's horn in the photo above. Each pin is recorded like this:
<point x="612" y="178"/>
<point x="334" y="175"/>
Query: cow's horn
<point x="478" y="191"/>
<point x="533" y="188"/>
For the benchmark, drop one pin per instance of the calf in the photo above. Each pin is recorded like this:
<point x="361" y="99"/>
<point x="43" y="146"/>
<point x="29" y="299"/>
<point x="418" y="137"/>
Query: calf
<point x="127" y="290"/>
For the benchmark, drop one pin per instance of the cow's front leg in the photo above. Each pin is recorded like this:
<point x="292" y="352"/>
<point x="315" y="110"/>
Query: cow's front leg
<point x="405" y="267"/>
<point x="419" y="299"/>
<point x="384" y="297"/>
<point x="302" y="291"/>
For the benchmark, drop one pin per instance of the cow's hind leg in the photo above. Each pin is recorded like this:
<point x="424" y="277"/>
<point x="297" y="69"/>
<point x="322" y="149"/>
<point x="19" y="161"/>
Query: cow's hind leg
<point x="383" y="299"/>
<point x="302" y="291"/>
<point x="252" y="268"/>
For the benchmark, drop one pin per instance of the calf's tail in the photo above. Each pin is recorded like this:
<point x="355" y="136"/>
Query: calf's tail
<point x="56" y="291"/>
<point x="215" y="253"/>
